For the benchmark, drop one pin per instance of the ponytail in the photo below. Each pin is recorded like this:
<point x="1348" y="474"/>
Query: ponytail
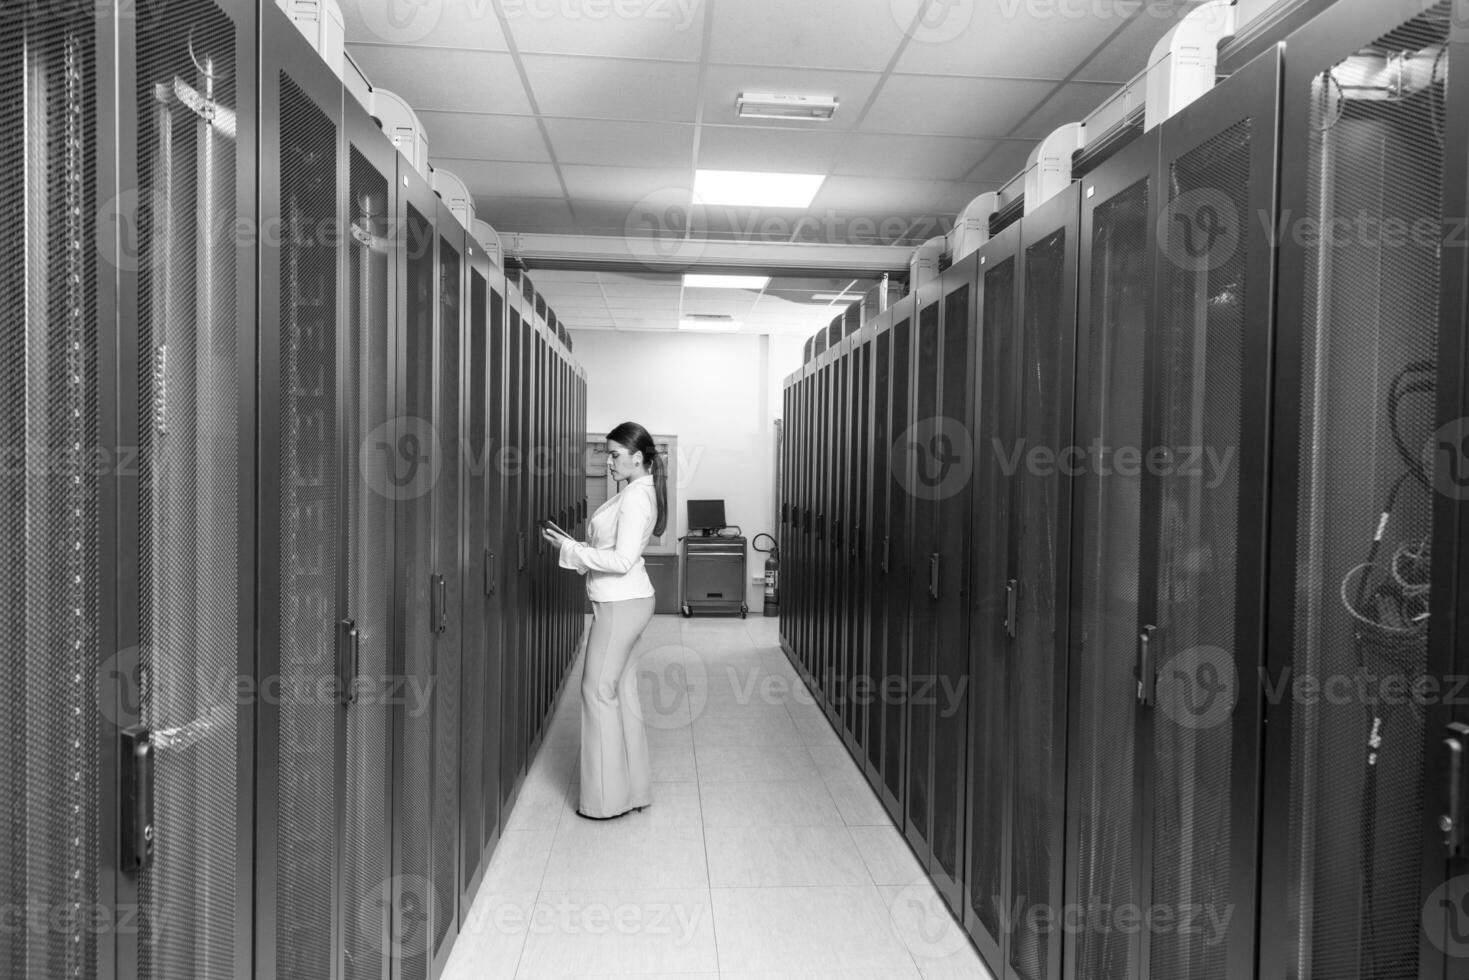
<point x="660" y="492"/>
<point x="637" y="440"/>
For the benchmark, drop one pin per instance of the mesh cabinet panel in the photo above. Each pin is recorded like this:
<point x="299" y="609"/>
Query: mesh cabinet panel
<point x="49" y="515"/>
<point x="1033" y="682"/>
<point x="1200" y="381"/>
<point x="989" y="647"/>
<point x="307" y="814"/>
<point x="447" y="563"/>
<point x="369" y="570"/>
<point x="1368" y="348"/>
<point x="1109" y="514"/>
<point x="188" y="488"/>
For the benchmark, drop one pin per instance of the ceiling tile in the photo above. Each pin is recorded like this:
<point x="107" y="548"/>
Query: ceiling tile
<point x="487" y="137"/>
<point x="496" y="178"/>
<point x="620" y="144"/>
<point x="609" y="88"/>
<point x="626" y="184"/>
<point x="856" y="34"/>
<point x="671" y="289"/>
<point x="973" y="107"/>
<point x="771" y="150"/>
<point x="607" y="218"/>
<point x="668" y="30"/>
<point x="918" y="157"/>
<point x="452" y="81"/>
<point x="546" y="216"/>
<point x="724" y="82"/>
<point x="446" y="23"/>
<point x="1029" y="40"/>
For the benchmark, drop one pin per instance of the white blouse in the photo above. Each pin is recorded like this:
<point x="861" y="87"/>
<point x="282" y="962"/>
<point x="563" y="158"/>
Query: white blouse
<point x="612" y="558"/>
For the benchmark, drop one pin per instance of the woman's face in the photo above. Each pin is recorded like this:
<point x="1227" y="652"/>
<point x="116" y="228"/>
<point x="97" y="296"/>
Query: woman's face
<point x="622" y="462"/>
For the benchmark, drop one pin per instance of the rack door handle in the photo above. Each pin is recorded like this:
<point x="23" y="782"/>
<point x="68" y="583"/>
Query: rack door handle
<point x="489" y="572"/>
<point x="350" y="663"/>
<point x="1012" y="601"/>
<point x="933" y="576"/>
<point x="1453" y="823"/>
<point x="1147" y="671"/>
<point x="438" y="615"/>
<point x="137" y="809"/>
<point x="520" y="551"/>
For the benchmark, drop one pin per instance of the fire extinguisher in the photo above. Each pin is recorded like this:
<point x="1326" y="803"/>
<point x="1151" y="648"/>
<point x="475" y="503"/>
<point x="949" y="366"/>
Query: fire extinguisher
<point x="772" y="573"/>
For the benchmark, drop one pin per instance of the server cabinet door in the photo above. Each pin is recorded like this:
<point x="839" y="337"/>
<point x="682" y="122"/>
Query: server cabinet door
<point x="900" y="564"/>
<point x="993" y="589"/>
<point x="858" y="547"/>
<point x="303" y="633"/>
<point x="366" y="412"/>
<point x="805" y="550"/>
<point x="1363" y="588"/>
<point x="1040" y="553"/>
<point x="1114" y="293"/>
<point x="70" y="683"/>
<point x="834" y="666"/>
<point x="189" y="598"/>
<point x="480" y="652"/>
<point x="512" y="758"/>
<point x="1204" y="533"/>
<point x="821" y="514"/>
<point x="448" y="584"/>
<point x="529" y="401"/>
<point x="419" y="452"/>
<point x="785" y="539"/>
<point x="878" y="572"/>
<point x="950" y="482"/>
<point x="927" y="472"/>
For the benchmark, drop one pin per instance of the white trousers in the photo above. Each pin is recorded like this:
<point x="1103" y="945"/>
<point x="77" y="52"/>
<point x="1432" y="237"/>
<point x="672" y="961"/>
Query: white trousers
<point x="616" y="775"/>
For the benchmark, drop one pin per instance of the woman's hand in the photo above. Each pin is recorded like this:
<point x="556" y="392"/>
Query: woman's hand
<point x="554" y="538"/>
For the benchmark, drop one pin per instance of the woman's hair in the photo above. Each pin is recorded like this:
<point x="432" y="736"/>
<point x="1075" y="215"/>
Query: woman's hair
<point x="635" y="439"/>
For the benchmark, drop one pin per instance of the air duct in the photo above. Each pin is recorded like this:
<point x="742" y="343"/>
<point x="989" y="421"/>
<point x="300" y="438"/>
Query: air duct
<point x="402" y="126"/>
<point x="489" y="240"/>
<point x="972" y="227"/>
<point x="923" y="267"/>
<point x="1184" y="63"/>
<point x="322" y="24"/>
<point x="1048" y="171"/>
<point x="453" y="192"/>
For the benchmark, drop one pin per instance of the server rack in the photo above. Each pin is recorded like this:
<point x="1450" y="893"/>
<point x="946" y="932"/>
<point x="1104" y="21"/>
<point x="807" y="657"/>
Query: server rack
<point x="1357" y="879"/>
<point x="920" y="660"/>
<point x="479" y="752"/>
<point x="949" y="482"/>
<point x="512" y="701"/>
<point x="989" y="769"/>
<point x="879" y="548"/>
<point x="303" y="633"/>
<point x="419" y="459"/>
<point x="366" y="396"/>
<point x="901" y="561"/>
<point x="858" y="677"/>
<point x="186" y="313"/>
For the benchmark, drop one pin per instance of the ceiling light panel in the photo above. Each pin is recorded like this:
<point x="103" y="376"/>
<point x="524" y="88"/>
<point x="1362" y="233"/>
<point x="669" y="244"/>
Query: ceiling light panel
<point x="748" y="188"/>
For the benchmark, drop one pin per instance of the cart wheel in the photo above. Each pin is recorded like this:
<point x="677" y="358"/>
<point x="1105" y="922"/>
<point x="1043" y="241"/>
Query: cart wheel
<point x="686" y="612"/>
<point x="744" y="610"/>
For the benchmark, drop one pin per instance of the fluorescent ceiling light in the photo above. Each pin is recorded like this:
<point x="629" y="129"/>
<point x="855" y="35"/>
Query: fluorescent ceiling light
<point x="708" y="322"/>
<point x="835" y="296"/>
<point x="768" y="105"/>
<point x="748" y="188"/>
<point x="700" y="281"/>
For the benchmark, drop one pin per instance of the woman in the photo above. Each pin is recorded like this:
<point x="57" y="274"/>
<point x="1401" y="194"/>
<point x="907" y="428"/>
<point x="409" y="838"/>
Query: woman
<point x="616" y="776"/>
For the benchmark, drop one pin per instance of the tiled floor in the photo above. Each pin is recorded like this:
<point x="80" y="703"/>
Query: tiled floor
<point x="764" y="854"/>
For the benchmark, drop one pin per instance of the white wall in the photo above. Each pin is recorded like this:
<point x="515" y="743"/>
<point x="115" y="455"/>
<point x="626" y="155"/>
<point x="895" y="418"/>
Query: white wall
<point x="720" y="394"/>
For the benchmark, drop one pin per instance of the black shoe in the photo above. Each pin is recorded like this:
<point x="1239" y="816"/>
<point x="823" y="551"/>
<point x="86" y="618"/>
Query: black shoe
<point x="636" y="809"/>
